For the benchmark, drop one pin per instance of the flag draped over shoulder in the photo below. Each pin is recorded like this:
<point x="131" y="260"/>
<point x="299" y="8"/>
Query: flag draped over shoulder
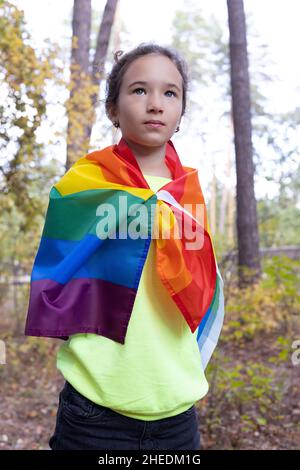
<point x="100" y="221"/>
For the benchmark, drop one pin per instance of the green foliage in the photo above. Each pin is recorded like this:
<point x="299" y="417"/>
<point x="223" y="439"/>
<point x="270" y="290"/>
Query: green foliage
<point x="25" y="175"/>
<point x="249" y="372"/>
<point x="271" y="305"/>
<point x="29" y="352"/>
<point x="245" y="395"/>
<point x="284" y="353"/>
<point x="278" y="225"/>
<point x="24" y="74"/>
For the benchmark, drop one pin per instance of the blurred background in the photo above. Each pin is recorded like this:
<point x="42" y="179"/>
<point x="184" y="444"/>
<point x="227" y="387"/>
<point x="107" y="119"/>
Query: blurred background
<point x="240" y="130"/>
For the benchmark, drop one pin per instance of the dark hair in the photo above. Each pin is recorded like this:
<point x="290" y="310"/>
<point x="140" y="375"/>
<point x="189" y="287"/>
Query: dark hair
<point x="114" y="79"/>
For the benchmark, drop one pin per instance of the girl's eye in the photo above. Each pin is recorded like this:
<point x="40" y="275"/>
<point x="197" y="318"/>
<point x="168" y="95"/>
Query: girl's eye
<point x="168" y="91"/>
<point x="138" y="89"/>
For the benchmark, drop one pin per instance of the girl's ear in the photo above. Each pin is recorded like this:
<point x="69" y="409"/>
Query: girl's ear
<point x="112" y="115"/>
<point x="114" y="118"/>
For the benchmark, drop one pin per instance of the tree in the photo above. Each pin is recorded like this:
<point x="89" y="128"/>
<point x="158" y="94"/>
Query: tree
<point x="203" y="40"/>
<point x="79" y="103"/>
<point x="25" y="173"/>
<point x="24" y="74"/>
<point x="247" y="227"/>
<point x="85" y="76"/>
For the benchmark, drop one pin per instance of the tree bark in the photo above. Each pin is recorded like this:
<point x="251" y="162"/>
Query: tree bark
<point x="81" y="31"/>
<point x="247" y="228"/>
<point x="213" y="201"/>
<point x="85" y="79"/>
<point x="100" y="56"/>
<point x="226" y="187"/>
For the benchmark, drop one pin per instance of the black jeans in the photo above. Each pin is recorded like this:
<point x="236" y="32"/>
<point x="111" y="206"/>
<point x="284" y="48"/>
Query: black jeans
<point x="84" y="425"/>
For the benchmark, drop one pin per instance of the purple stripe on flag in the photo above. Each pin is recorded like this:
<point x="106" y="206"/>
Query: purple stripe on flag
<point x="84" y="305"/>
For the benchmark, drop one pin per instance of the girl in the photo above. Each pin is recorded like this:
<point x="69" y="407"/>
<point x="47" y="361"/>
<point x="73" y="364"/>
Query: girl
<point x="141" y="311"/>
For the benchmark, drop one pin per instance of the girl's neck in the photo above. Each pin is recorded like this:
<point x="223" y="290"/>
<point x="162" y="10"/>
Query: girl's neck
<point x="151" y="160"/>
<point x="162" y="171"/>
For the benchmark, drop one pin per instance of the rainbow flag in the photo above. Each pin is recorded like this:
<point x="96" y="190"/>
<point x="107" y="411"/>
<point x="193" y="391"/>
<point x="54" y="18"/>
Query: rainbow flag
<point x="99" y="224"/>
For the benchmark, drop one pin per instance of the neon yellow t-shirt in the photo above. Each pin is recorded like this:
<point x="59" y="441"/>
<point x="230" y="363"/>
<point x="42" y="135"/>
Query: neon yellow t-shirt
<point x="157" y="372"/>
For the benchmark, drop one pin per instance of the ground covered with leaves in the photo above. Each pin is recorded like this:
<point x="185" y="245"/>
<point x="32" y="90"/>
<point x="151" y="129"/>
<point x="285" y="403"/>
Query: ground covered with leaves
<point x="254" y="397"/>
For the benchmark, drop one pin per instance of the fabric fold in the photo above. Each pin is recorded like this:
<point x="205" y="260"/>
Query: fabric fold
<point x="100" y="221"/>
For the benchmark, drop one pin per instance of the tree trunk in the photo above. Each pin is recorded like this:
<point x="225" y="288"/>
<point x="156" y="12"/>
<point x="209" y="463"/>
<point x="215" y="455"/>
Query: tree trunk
<point x="85" y="79"/>
<point x="79" y="79"/>
<point x="226" y="187"/>
<point x="231" y="218"/>
<point x="115" y="132"/>
<point x="100" y="56"/>
<point x="247" y="229"/>
<point x="213" y="201"/>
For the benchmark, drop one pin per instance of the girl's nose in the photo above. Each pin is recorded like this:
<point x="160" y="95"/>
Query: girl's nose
<point x="155" y="103"/>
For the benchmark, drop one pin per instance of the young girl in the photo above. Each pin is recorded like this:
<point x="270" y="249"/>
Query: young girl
<point x="141" y="315"/>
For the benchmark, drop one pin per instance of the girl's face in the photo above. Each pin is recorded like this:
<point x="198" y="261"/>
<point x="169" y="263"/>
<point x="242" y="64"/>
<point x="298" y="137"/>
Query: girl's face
<point x="155" y="99"/>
